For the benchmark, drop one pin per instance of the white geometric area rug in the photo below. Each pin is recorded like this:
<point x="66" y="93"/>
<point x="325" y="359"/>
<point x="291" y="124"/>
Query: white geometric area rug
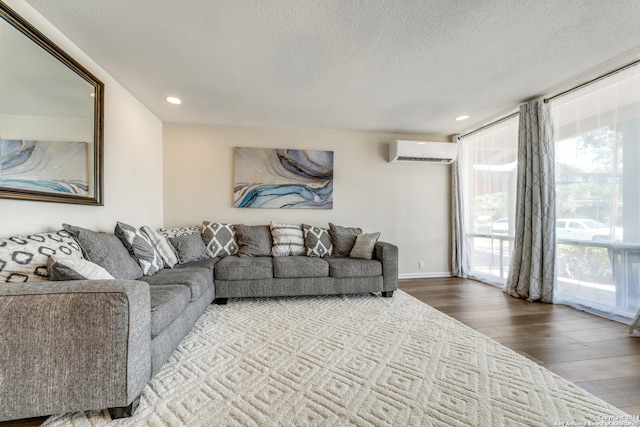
<point x="358" y="360"/>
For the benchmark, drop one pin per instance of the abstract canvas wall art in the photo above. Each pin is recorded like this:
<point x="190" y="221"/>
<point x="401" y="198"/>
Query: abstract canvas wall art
<point x="283" y="178"/>
<point x="59" y="167"/>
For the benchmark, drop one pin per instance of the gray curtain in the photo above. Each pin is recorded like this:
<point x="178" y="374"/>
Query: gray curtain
<point x="459" y="252"/>
<point x="532" y="267"/>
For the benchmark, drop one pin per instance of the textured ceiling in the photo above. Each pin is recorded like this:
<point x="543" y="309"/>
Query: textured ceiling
<point x="407" y="66"/>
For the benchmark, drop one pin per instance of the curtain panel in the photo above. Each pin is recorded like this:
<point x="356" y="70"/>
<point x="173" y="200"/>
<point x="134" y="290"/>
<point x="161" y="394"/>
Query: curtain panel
<point x="532" y="266"/>
<point x="459" y="255"/>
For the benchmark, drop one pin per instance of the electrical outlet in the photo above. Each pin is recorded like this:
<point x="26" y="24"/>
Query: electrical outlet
<point x="420" y="264"/>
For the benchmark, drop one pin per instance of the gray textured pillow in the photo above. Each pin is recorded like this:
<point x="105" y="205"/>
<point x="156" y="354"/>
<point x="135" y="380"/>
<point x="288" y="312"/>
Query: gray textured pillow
<point x="107" y="251"/>
<point x="140" y="248"/>
<point x="363" y="247"/>
<point x="343" y="239"/>
<point x="189" y="247"/>
<point x="317" y="241"/>
<point x="253" y="240"/>
<point x="70" y="268"/>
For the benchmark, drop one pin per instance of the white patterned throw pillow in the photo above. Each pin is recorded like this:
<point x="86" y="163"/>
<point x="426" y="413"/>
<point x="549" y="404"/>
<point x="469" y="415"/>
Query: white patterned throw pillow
<point x="317" y="241"/>
<point x="287" y="239"/>
<point x="180" y="231"/>
<point x="219" y="238"/>
<point x="71" y="268"/>
<point x="24" y="258"/>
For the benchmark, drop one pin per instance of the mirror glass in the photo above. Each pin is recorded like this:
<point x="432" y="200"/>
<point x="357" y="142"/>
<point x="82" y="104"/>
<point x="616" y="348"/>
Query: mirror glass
<point x="50" y="119"/>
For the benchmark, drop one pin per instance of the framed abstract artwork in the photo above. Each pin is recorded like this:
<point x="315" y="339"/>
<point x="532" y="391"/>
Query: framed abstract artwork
<point x="283" y="178"/>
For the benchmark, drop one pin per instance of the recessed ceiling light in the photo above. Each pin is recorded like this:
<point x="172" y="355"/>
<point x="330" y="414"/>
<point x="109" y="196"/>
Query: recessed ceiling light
<point x="461" y="118"/>
<point x="173" y="100"/>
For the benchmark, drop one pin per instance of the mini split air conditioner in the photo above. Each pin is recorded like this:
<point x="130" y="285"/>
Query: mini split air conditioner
<point x="419" y="151"/>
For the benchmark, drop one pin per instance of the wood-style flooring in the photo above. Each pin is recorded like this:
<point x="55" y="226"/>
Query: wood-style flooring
<point x="595" y="353"/>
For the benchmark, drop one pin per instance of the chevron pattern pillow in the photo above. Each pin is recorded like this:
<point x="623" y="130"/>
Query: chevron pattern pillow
<point x="220" y="239"/>
<point x="140" y="248"/>
<point x="317" y="241"/>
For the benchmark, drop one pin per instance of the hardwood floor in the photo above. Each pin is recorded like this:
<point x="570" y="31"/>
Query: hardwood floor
<point x="595" y="353"/>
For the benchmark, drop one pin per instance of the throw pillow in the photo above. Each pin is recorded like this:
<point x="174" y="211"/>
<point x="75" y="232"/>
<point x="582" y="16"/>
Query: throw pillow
<point x="24" y="258"/>
<point x="107" y="251"/>
<point x="180" y="231"/>
<point x="189" y="247"/>
<point x="287" y="239"/>
<point x="220" y="239"/>
<point x="363" y="248"/>
<point x="70" y="268"/>
<point x="253" y="240"/>
<point x="140" y="248"/>
<point x="162" y="246"/>
<point x="343" y="239"/>
<point x="317" y="241"/>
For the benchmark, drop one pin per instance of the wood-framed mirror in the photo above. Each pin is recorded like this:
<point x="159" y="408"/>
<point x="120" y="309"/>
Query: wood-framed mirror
<point x="51" y="124"/>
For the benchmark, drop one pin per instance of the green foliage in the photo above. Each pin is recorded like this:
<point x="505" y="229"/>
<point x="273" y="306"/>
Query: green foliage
<point x="585" y="263"/>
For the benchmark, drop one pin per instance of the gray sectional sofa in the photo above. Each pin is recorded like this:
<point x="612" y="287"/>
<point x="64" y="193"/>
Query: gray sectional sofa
<point x="90" y="328"/>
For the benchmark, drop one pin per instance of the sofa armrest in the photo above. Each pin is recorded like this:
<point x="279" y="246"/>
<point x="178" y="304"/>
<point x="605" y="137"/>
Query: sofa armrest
<point x="388" y="254"/>
<point x="70" y="346"/>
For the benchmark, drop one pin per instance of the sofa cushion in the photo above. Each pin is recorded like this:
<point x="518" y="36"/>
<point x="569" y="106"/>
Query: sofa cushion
<point x="253" y="240"/>
<point x="161" y="245"/>
<point x="317" y="241"/>
<point x="287" y="239"/>
<point x="167" y="303"/>
<point x="64" y="267"/>
<point x="24" y="258"/>
<point x="189" y="248"/>
<point x="239" y="268"/>
<point x="343" y="238"/>
<point x="107" y="251"/>
<point x="352" y="267"/>
<point x="299" y="267"/>
<point x="195" y="278"/>
<point x="140" y="248"/>
<point x="220" y="239"/>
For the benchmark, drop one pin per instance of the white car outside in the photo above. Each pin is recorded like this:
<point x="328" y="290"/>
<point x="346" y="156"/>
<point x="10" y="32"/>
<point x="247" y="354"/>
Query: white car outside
<point x="582" y="229"/>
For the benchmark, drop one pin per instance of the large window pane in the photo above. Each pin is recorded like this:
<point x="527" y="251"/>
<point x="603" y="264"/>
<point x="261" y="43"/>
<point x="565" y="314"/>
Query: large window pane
<point x="598" y="196"/>
<point x="488" y="161"/>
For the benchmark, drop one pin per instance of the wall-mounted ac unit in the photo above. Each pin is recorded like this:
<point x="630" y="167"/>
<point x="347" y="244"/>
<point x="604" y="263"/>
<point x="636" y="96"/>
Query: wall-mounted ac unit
<point x="421" y="151"/>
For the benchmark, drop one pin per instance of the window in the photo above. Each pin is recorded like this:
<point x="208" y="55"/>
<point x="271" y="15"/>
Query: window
<point x="488" y="168"/>
<point x="597" y="132"/>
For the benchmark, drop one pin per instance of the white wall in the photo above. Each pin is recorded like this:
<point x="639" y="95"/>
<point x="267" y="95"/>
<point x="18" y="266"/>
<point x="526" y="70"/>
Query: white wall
<point x="132" y="159"/>
<point x="407" y="202"/>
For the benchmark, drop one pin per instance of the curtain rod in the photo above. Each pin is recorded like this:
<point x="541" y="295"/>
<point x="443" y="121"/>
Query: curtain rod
<point x="495" y="122"/>
<point x="580" y="86"/>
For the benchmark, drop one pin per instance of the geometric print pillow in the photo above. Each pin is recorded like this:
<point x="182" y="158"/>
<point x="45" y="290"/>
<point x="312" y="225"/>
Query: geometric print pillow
<point x="317" y="241"/>
<point x="220" y="239"/>
<point x="180" y="231"/>
<point x="140" y="248"/>
<point x="24" y="258"/>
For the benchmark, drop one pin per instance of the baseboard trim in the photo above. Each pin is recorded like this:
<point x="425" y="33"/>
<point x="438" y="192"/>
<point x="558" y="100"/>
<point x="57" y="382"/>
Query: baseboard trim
<point x="424" y="275"/>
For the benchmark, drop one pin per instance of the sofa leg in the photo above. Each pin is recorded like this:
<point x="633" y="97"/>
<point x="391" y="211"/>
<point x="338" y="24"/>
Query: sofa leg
<point x="220" y="301"/>
<point x="124" y="411"/>
<point x="387" y="294"/>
